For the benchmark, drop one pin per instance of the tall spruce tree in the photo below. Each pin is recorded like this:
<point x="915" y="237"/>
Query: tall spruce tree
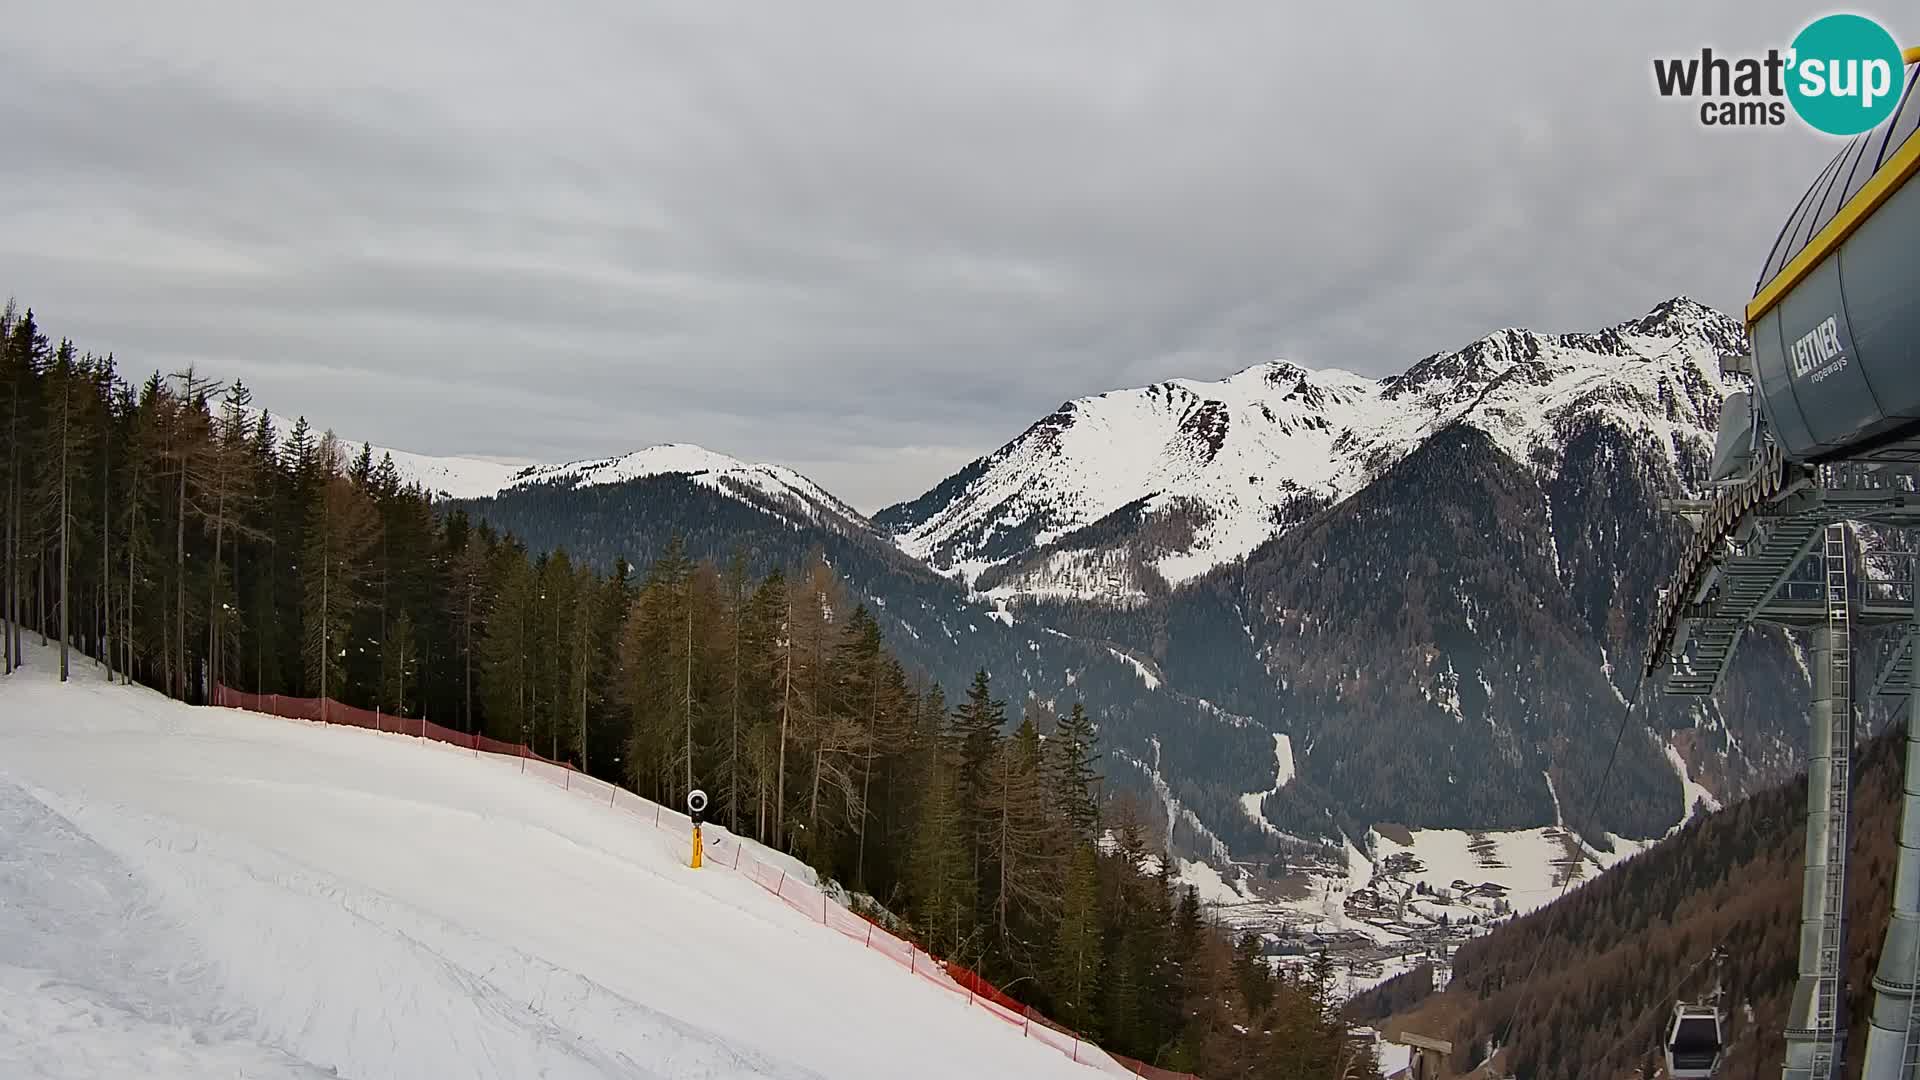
<point x="341" y="527"/>
<point x="1072" y="754"/>
<point x="1078" y="945"/>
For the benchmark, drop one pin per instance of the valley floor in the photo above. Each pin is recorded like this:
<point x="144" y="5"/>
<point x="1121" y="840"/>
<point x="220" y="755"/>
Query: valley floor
<point x="194" y="892"/>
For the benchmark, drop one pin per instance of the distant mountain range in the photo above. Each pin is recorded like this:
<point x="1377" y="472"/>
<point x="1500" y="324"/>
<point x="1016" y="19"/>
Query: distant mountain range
<point x="1434" y="584"/>
<point x="1120" y="495"/>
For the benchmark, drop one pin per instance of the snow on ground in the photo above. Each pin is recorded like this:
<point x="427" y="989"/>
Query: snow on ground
<point x="1207" y="882"/>
<point x="1283" y="761"/>
<point x="1283" y="772"/>
<point x="201" y="892"/>
<point x="1359" y="868"/>
<point x="1394" y="1057"/>
<point x="454" y="477"/>
<point x="1146" y="676"/>
<point x="1070" y="575"/>
<point x="1522" y="861"/>
<point x="1693" y="792"/>
<point x="1175" y="811"/>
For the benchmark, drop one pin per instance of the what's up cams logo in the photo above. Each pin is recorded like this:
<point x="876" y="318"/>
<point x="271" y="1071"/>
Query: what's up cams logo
<point x="1842" y="75"/>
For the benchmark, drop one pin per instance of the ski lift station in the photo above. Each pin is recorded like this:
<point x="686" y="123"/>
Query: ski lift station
<point x="1825" y="442"/>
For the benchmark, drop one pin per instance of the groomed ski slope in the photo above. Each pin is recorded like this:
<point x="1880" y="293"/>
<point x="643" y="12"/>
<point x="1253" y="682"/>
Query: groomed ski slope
<point x="190" y="892"/>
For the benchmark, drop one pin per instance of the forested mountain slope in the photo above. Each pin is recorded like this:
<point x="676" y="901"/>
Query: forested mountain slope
<point x="1615" y="954"/>
<point x="1206" y="757"/>
<point x="1443" y="624"/>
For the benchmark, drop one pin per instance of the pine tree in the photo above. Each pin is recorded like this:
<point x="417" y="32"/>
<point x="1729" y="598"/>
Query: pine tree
<point x="225" y="502"/>
<point x="609" y="712"/>
<point x="735" y="684"/>
<point x="401" y="661"/>
<point x="26" y="355"/>
<point x="656" y="658"/>
<point x="976" y="726"/>
<point x="1071" y="772"/>
<point x="942" y="881"/>
<point x="341" y="527"/>
<point x="769" y="667"/>
<point x="1022" y="849"/>
<point x="812" y="721"/>
<point x="468" y="602"/>
<point x="9" y="315"/>
<point x="67" y="433"/>
<point x="1250" y="969"/>
<point x="1078" y="944"/>
<point x="189" y="444"/>
<point x="107" y="384"/>
<point x="505" y="651"/>
<point x="557" y="641"/>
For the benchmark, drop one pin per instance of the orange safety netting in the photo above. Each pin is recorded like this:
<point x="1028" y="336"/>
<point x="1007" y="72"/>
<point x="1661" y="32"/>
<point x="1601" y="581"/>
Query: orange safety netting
<point x="726" y="852"/>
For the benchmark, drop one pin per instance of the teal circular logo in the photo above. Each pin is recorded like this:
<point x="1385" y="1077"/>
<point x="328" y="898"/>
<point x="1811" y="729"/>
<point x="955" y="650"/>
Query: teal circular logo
<point x="1845" y="75"/>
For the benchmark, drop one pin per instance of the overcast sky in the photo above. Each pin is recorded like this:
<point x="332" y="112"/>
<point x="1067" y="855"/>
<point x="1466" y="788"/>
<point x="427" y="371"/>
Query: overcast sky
<point x="868" y="240"/>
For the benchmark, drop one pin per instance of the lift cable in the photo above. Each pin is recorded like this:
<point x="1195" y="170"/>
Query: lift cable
<point x="1619" y="733"/>
<point x="1714" y="955"/>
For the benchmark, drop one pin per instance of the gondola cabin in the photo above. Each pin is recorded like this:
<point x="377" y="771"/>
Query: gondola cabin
<point x="1693" y="1042"/>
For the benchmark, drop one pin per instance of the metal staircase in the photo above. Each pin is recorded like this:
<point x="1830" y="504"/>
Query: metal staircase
<point x="1893" y="679"/>
<point x="1767" y="560"/>
<point x="1828" y="994"/>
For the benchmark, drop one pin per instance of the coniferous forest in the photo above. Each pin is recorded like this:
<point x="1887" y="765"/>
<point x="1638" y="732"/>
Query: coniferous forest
<point x="161" y="527"/>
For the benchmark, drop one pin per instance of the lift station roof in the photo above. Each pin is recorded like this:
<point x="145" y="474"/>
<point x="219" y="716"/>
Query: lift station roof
<point x="1835" y="318"/>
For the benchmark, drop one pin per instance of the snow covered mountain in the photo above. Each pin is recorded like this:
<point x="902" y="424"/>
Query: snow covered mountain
<point x="1117" y="496"/>
<point x="1430" y="587"/>
<point x="775" y="488"/>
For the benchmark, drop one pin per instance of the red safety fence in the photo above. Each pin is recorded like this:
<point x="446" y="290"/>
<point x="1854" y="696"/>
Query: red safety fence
<point x="721" y="849"/>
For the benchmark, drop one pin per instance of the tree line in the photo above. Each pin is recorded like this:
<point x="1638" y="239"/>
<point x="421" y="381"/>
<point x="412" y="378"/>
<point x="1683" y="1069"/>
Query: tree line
<point x="173" y="534"/>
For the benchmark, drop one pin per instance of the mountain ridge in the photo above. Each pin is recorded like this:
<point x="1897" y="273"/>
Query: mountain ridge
<point x="1208" y="471"/>
<point x="1561" y="443"/>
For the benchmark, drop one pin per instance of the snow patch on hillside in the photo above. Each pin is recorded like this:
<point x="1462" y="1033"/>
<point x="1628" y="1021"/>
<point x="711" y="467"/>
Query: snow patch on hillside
<point x="1146" y="676"/>
<point x="1524" y="864"/>
<point x="1283" y="772"/>
<point x="1695" y="794"/>
<point x="1207" y="883"/>
<point x="1176" y="812"/>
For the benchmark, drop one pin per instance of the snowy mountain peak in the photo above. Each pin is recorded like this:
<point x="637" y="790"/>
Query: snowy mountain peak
<point x="1115" y="495"/>
<point x="1271" y="373"/>
<point x="1687" y="319"/>
<point x="774" y="488"/>
<point x="663" y="459"/>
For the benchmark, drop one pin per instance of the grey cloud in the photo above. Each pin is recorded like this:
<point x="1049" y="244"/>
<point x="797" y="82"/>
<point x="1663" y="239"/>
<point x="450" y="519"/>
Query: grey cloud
<point x="869" y="240"/>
